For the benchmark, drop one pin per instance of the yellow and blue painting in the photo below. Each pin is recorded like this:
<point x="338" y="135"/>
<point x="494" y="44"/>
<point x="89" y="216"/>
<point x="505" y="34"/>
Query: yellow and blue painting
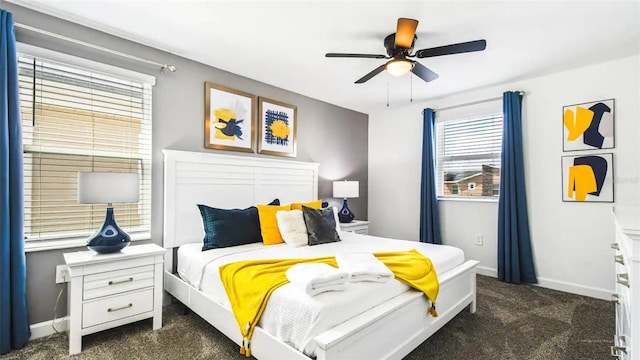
<point x="587" y="178"/>
<point x="230" y="119"/>
<point x="227" y="125"/>
<point x="276" y="128"/>
<point x="589" y="126"/>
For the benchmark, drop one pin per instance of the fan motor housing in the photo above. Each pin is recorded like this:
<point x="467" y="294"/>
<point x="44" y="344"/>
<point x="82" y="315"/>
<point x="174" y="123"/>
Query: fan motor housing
<point x="392" y="50"/>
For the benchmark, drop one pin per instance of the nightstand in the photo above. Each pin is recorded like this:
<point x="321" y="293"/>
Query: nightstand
<point x="356" y="226"/>
<point x="109" y="290"/>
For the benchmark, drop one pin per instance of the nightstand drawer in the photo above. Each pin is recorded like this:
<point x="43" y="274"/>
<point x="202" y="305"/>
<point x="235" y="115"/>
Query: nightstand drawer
<point x="116" y="307"/>
<point x="118" y="281"/>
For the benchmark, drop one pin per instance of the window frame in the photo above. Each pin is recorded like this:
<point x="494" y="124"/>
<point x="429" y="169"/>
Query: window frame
<point x="71" y="241"/>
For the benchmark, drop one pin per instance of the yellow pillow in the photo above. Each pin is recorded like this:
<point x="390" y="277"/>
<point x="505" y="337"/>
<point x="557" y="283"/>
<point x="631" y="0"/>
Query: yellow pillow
<point x="312" y="204"/>
<point x="269" y="223"/>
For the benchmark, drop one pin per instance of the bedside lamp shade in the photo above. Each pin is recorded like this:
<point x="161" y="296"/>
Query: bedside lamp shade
<point x="108" y="188"/>
<point x="346" y="189"/>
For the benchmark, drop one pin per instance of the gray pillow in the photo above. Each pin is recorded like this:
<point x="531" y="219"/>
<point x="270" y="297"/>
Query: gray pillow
<point x="321" y="225"/>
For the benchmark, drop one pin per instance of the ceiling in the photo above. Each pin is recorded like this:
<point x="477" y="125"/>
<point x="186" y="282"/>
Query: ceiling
<point x="283" y="43"/>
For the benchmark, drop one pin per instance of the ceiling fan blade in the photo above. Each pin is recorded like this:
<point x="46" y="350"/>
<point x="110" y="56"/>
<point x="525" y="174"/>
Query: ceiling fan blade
<point x="405" y="32"/>
<point x="423" y="72"/>
<point x="367" y="77"/>
<point x="367" y="56"/>
<point x="470" y="46"/>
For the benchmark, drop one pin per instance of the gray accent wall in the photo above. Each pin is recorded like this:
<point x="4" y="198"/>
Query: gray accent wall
<point x="330" y="135"/>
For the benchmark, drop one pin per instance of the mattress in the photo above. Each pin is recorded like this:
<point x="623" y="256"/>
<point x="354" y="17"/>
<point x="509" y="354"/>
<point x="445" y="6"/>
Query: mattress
<point x="291" y="315"/>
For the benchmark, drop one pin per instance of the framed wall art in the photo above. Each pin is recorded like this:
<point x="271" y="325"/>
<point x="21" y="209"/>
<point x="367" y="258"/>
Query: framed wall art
<point x="589" y="126"/>
<point x="229" y="119"/>
<point x="277" y="126"/>
<point x="587" y="178"/>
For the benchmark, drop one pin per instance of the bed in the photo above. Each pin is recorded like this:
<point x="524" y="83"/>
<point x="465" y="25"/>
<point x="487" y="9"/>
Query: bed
<point x="389" y="324"/>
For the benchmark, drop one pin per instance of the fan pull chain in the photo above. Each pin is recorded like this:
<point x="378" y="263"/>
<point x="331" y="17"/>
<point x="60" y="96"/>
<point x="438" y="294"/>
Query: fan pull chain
<point x="411" y="89"/>
<point x="387" y="91"/>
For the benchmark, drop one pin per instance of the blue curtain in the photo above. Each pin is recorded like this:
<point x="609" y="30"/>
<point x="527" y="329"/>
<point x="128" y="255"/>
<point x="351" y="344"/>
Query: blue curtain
<point x="429" y="218"/>
<point x="515" y="259"/>
<point x="14" y="326"/>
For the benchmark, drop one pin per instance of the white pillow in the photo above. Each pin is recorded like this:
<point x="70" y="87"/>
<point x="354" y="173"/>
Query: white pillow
<point x="292" y="228"/>
<point x="335" y="217"/>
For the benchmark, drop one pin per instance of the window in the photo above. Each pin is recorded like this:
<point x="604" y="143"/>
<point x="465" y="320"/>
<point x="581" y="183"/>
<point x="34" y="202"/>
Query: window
<point x="74" y="120"/>
<point x="468" y="156"/>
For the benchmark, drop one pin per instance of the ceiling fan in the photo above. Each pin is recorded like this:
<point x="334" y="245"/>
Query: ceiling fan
<point x="399" y="46"/>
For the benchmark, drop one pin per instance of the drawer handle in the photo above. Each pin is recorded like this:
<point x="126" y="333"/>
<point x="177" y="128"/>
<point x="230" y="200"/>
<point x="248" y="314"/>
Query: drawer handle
<point x="120" y="308"/>
<point x="113" y="282"/>
<point x="619" y="259"/>
<point x="615" y="298"/>
<point x="616" y="349"/>
<point x="623" y="279"/>
<point x="615" y="246"/>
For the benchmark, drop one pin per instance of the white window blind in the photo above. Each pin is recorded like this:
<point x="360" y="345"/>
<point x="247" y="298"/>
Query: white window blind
<point x="468" y="156"/>
<point x="75" y="120"/>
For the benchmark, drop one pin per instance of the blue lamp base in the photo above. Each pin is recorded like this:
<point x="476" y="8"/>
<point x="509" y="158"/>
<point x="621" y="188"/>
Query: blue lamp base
<point x="345" y="215"/>
<point x="110" y="238"/>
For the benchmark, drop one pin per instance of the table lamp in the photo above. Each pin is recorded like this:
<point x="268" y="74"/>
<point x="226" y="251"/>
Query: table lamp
<point x="346" y="189"/>
<point x="108" y="188"/>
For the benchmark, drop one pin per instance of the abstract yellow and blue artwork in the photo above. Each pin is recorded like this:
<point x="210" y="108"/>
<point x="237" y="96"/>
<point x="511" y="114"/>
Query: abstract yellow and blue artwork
<point x="229" y="119"/>
<point x="277" y="126"/>
<point x="589" y="126"/>
<point x="587" y="178"/>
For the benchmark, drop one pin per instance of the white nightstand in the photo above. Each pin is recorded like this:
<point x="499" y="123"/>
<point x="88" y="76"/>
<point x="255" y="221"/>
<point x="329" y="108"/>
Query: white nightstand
<point x="356" y="226"/>
<point x="109" y="290"/>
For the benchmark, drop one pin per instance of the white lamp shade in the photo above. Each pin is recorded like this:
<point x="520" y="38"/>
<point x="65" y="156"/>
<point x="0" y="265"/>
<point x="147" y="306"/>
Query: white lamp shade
<point x="346" y="189"/>
<point x="108" y="187"/>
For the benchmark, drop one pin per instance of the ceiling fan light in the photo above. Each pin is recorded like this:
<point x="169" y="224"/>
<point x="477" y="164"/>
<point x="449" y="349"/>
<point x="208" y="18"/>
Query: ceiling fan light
<point x="399" y="67"/>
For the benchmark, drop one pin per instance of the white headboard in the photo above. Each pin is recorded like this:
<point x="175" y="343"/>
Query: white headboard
<point x="226" y="181"/>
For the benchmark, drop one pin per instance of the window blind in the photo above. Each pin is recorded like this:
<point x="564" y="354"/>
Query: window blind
<point x="74" y="120"/>
<point x="468" y="156"/>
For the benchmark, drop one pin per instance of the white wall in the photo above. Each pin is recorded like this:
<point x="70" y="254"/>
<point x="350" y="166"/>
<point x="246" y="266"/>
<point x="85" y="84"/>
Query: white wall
<point x="571" y="241"/>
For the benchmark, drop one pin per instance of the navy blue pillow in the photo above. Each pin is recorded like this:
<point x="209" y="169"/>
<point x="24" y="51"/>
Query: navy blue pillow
<point x="230" y="227"/>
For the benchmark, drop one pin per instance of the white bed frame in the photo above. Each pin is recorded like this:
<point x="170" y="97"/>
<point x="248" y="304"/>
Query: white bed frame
<point x="388" y="331"/>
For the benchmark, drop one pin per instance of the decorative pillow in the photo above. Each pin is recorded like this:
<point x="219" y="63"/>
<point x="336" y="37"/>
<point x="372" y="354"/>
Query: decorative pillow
<point x="335" y="218"/>
<point x="292" y="227"/>
<point x="269" y="223"/>
<point x="312" y="204"/>
<point x="321" y="225"/>
<point x="225" y="228"/>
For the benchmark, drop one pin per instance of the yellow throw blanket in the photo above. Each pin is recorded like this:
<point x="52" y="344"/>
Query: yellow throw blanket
<point x="249" y="284"/>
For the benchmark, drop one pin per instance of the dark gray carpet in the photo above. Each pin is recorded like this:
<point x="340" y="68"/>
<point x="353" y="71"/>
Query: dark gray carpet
<point x="516" y="322"/>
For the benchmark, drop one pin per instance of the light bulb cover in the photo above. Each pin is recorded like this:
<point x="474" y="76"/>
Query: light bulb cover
<point x="398" y="67"/>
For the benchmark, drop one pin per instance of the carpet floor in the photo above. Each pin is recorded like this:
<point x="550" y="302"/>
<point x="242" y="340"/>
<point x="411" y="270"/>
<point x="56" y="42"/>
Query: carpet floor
<point x="518" y="322"/>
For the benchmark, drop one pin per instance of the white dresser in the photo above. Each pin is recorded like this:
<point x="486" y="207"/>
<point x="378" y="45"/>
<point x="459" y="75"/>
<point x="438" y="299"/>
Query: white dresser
<point x="109" y="290"/>
<point x="627" y="294"/>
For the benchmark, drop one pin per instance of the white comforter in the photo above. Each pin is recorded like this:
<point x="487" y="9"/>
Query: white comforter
<point x="291" y="315"/>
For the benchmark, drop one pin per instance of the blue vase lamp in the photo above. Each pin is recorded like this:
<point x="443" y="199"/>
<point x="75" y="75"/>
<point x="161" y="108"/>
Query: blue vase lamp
<point x="346" y="189"/>
<point x="108" y="188"/>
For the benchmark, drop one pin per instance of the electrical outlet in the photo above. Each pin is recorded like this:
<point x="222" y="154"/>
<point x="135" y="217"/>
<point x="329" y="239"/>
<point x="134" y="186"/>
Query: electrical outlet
<point x="479" y="239"/>
<point x="62" y="274"/>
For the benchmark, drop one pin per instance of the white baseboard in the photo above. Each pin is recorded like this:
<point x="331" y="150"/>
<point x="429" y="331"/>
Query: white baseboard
<point x="44" y="328"/>
<point x="487" y="271"/>
<point x="589" y="291"/>
<point x="571" y="288"/>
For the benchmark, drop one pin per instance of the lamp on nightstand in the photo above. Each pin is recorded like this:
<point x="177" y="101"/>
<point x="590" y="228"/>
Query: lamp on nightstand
<point x="346" y="189"/>
<point x="108" y="188"/>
